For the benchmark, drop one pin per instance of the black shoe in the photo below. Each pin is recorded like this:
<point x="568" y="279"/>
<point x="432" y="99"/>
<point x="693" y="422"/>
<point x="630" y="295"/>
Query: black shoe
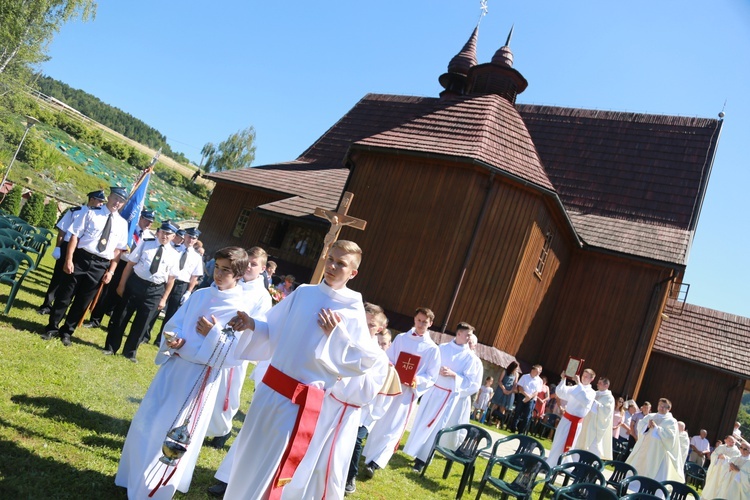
<point x="49" y="335"/>
<point x="43" y="311"/>
<point x="92" y="324"/>
<point x="351" y="487"/>
<point x="418" y="466"/>
<point x="66" y="341"/>
<point x="218" y="489"/>
<point x="107" y="352"/>
<point x="370" y="469"/>
<point x="219" y="441"/>
<point x="132" y="360"/>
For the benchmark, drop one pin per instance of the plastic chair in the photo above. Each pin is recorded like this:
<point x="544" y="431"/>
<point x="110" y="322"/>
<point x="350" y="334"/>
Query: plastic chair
<point x="641" y="496"/>
<point x="50" y="235"/>
<point x="37" y="245"/>
<point x="526" y="445"/>
<point x="530" y="468"/>
<point x="25" y="228"/>
<point x="587" y="491"/>
<point x="620" y="471"/>
<point x="546" y="426"/>
<point x="6" y="224"/>
<point x="466" y="453"/>
<point x="572" y="473"/>
<point x="582" y="456"/>
<point x="12" y="233"/>
<point x="695" y="475"/>
<point x="645" y="485"/>
<point x="8" y="242"/>
<point x="10" y="264"/>
<point x="680" y="491"/>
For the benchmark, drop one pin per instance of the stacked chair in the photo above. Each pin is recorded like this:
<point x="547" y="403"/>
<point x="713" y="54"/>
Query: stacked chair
<point x="22" y="247"/>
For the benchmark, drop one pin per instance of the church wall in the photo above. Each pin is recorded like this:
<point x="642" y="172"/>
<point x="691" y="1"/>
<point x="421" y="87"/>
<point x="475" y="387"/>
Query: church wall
<point x="420" y="216"/>
<point x="534" y="293"/>
<point x="702" y="397"/>
<point x="420" y="225"/>
<point x="223" y="210"/>
<point x="601" y="315"/>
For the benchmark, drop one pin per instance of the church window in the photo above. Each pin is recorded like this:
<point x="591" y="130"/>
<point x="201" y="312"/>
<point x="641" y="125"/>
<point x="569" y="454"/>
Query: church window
<point x="239" y="227"/>
<point x="544" y="254"/>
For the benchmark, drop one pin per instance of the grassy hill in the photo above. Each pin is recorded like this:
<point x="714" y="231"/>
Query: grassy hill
<point x="65" y="158"/>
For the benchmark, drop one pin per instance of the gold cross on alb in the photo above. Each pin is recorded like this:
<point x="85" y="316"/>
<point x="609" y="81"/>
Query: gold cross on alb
<point x="338" y="219"/>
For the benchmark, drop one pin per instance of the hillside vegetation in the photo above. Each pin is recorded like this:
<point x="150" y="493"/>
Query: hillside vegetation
<point x="110" y="116"/>
<point x="66" y="158"/>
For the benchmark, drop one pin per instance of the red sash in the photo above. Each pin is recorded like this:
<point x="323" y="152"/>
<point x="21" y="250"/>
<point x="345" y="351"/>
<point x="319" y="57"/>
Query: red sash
<point x="437" y="414"/>
<point x="309" y="399"/>
<point x="574" y="421"/>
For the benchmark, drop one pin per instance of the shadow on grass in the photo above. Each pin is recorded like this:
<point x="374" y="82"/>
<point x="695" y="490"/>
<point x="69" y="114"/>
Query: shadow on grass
<point x="27" y="475"/>
<point x="59" y="409"/>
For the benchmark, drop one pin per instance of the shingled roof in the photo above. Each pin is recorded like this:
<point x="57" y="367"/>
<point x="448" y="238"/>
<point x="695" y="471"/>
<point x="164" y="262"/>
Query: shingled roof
<point x="707" y="337"/>
<point x="629" y="182"/>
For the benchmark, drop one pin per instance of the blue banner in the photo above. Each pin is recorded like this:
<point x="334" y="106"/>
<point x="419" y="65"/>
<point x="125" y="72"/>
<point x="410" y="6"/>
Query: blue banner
<point x="132" y="210"/>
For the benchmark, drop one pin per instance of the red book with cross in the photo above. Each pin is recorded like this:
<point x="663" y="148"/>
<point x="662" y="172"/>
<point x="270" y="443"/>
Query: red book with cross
<point x="406" y="367"/>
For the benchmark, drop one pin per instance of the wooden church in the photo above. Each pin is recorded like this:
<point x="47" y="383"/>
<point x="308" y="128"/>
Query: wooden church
<point x="555" y="231"/>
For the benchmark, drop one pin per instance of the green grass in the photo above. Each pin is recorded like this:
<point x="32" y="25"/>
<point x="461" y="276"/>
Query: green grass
<point x="64" y="415"/>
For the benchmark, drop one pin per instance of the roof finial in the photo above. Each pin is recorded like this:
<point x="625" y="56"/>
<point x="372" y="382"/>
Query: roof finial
<point x="510" y="35"/>
<point x="483" y="8"/>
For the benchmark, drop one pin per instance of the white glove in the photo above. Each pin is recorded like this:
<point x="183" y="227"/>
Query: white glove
<point x="185" y="297"/>
<point x="56" y="253"/>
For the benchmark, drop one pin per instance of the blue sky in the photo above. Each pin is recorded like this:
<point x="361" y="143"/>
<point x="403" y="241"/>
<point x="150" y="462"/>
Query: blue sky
<point x="292" y="69"/>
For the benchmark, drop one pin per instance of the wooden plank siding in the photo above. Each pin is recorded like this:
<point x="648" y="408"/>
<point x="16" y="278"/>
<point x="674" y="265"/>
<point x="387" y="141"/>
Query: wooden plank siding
<point x="500" y="294"/>
<point x="223" y="210"/>
<point x="432" y="207"/>
<point x="604" y="308"/>
<point x="702" y="397"/>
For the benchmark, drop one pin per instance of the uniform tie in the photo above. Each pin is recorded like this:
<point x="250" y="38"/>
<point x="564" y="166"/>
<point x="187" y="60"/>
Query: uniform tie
<point x="183" y="259"/>
<point x="157" y="258"/>
<point x="102" y="245"/>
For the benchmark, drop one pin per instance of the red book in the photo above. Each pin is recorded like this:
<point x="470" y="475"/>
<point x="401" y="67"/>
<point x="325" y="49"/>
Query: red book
<point x="406" y="367"/>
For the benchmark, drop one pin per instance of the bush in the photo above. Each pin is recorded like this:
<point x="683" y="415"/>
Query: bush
<point x="199" y="190"/>
<point x="117" y="149"/>
<point x="138" y="159"/>
<point x="12" y="202"/>
<point x="35" y="152"/>
<point x="49" y="216"/>
<point x="33" y="209"/>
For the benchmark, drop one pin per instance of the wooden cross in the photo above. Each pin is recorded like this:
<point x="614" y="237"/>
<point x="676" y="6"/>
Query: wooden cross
<point x="338" y="219"/>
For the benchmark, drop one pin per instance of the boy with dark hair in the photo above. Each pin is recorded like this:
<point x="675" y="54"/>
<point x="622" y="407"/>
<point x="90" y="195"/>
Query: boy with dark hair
<point x="183" y="391"/>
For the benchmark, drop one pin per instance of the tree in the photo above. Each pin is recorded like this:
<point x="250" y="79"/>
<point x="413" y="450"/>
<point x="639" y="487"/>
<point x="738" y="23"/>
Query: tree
<point x="27" y="27"/>
<point x="49" y="217"/>
<point x="237" y="151"/>
<point x="207" y="154"/>
<point x="33" y="209"/>
<point x="12" y="201"/>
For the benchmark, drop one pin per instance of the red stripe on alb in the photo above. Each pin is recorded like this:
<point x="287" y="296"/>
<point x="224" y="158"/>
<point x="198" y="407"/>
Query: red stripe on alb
<point x="333" y="442"/>
<point x="574" y="421"/>
<point x="229" y="388"/>
<point x="437" y="414"/>
<point x="309" y="399"/>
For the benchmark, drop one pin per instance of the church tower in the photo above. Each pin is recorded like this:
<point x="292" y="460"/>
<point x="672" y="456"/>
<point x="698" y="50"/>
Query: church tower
<point x="498" y="76"/>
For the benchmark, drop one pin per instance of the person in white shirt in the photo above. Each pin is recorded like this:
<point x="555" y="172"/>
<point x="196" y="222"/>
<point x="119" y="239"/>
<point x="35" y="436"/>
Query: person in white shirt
<point x="144" y="287"/>
<point x="528" y="387"/>
<point x="95" y="200"/>
<point x="189" y="269"/>
<point x="596" y="429"/>
<point x="700" y="448"/>
<point x="578" y="400"/>
<point x="657" y="453"/>
<point x="98" y="236"/>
